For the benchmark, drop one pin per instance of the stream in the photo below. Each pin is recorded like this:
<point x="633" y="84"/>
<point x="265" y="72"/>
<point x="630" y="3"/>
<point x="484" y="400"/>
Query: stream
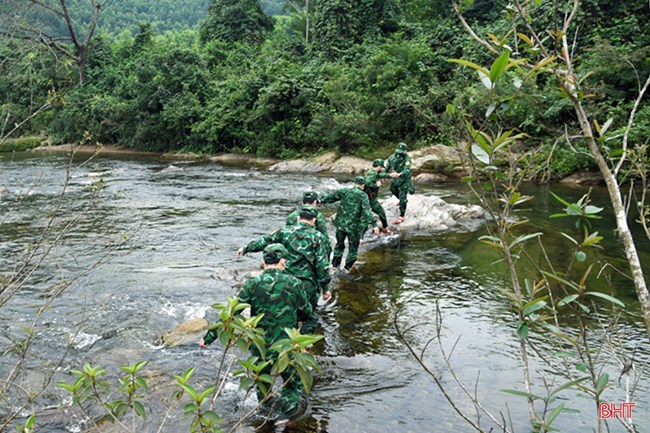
<point x="149" y="255"/>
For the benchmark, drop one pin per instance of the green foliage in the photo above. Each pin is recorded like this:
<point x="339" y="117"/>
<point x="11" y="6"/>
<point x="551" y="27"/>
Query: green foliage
<point x="20" y="144"/>
<point x="29" y="425"/>
<point x="235" y="21"/>
<point x="233" y="330"/>
<point x="126" y="15"/>
<point x="373" y="72"/>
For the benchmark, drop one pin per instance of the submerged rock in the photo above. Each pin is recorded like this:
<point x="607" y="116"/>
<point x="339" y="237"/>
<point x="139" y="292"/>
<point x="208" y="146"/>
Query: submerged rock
<point x="185" y="333"/>
<point x="584" y="178"/>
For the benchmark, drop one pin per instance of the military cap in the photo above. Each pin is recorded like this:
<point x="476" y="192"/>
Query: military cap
<point x="359" y="180"/>
<point x="401" y="148"/>
<point x="309" y="196"/>
<point x="273" y="253"/>
<point x="378" y="162"/>
<point x="308" y="212"/>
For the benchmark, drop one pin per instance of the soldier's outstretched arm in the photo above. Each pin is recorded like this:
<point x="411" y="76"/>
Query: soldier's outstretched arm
<point x="257" y="245"/>
<point x="332" y="197"/>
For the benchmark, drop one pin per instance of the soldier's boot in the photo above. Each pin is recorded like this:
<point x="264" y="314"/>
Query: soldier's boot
<point x="336" y="262"/>
<point x="349" y="265"/>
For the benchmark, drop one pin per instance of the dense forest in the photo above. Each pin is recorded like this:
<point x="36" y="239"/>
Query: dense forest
<point x="285" y="78"/>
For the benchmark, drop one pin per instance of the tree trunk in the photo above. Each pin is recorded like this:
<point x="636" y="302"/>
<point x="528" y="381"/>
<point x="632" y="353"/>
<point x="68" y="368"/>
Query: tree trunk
<point x="619" y="212"/>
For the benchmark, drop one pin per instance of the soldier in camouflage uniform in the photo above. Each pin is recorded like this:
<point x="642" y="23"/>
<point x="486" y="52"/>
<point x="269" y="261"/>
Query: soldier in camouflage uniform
<point x="281" y="298"/>
<point x="307" y="259"/>
<point x="374" y="177"/>
<point x="353" y="217"/>
<point x="310" y="198"/>
<point x="399" y="169"/>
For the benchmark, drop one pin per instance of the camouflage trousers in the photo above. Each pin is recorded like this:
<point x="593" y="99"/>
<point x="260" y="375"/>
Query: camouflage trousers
<point x="312" y="291"/>
<point x="287" y="402"/>
<point x="353" y="247"/>
<point x="378" y="209"/>
<point x="401" y="191"/>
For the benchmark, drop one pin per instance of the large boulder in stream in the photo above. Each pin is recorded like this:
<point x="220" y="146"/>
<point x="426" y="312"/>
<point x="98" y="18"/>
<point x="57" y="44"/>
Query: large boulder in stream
<point x="425" y="213"/>
<point x="329" y="162"/>
<point x="185" y="333"/>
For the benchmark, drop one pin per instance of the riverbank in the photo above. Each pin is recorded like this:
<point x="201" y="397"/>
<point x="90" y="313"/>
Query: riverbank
<point x="437" y="163"/>
<point x="434" y="163"/>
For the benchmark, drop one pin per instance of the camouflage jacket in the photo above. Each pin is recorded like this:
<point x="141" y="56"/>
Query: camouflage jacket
<point x="321" y="226"/>
<point x="400" y="163"/>
<point x="307" y="258"/>
<point x="281" y="298"/>
<point x="372" y="177"/>
<point x="354" y="214"/>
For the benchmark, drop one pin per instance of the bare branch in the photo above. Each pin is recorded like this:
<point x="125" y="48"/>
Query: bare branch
<point x="471" y="31"/>
<point x="630" y="122"/>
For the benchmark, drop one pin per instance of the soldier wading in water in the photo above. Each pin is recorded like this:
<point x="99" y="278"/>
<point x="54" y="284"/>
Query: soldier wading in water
<point x="281" y="298"/>
<point x="310" y="198"/>
<point x="399" y="169"/>
<point x="307" y="257"/>
<point x="353" y="217"/>
<point x="374" y="178"/>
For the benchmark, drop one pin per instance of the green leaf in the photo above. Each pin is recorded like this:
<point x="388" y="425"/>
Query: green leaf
<point x="140" y="365"/>
<point x="470" y="64"/>
<point x="499" y="66"/>
<point x="592" y="239"/>
<point x="189" y="409"/>
<point x="606" y="297"/>
<point x="224" y="338"/>
<point x="525" y="38"/>
<point x="306" y="379"/>
<point x="554" y="414"/>
<point x="139" y="409"/>
<point x="183" y="378"/>
<point x="558" y="198"/>
<point x="205" y="393"/>
<point x="212" y="416"/>
<point x="191" y="391"/>
<point x="590" y="209"/>
<point x="246" y="382"/>
<point x="66" y="386"/>
<point x="602" y="382"/>
<point x="450" y="109"/>
<point x="522" y="394"/>
<point x="563" y="354"/>
<point x="534" y="306"/>
<point x="523" y="238"/>
<point x="282" y="364"/>
<point x="485" y="80"/>
<point x="580" y="256"/>
<point x="567" y="300"/>
<point x="568" y="237"/>
<point x="568" y="385"/>
<point x="561" y="280"/>
<point x="581" y="366"/>
<point x="522" y="329"/>
<point x="480" y="154"/>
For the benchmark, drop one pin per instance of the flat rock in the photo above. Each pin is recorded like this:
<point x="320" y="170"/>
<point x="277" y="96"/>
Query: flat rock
<point x="185" y="333"/>
<point x="433" y="214"/>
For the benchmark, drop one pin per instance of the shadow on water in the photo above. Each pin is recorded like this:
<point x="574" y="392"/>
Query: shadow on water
<point x="184" y="221"/>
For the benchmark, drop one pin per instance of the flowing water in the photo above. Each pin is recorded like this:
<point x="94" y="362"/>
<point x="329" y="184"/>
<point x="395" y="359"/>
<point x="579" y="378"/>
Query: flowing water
<point x="159" y="244"/>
